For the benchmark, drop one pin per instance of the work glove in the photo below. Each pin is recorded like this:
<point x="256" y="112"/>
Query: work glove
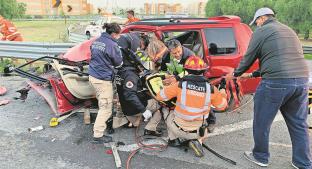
<point x="147" y="115"/>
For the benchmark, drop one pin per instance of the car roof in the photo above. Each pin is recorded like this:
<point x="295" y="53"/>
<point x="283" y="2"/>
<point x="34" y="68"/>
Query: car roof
<point x="187" y="21"/>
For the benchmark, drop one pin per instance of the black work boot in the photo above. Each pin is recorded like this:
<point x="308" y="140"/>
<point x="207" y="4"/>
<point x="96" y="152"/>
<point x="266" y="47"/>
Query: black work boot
<point x="102" y="140"/>
<point x="197" y="148"/>
<point x="152" y="133"/>
<point x="109" y="124"/>
<point x="174" y="143"/>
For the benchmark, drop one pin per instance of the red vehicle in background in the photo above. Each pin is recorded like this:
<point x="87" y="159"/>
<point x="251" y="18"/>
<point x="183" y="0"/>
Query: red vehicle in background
<point x="221" y="41"/>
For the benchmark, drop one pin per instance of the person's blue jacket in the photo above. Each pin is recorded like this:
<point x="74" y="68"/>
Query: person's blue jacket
<point x="105" y="56"/>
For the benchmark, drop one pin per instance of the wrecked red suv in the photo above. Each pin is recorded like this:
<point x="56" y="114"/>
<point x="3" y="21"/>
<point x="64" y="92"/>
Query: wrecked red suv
<point x="221" y="41"/>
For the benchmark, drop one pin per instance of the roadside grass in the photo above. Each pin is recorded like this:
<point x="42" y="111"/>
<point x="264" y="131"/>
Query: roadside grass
<point x="3" y="63"/>
<point x="43" y="31"/>
<point x="308" y="56"/>
<point x="38" y="31"/>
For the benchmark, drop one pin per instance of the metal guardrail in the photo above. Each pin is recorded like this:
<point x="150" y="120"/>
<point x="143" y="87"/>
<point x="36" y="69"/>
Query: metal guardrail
<point x="307" y="49"/>
<point x="77" y="38"/>
<point x="32" y="50"/>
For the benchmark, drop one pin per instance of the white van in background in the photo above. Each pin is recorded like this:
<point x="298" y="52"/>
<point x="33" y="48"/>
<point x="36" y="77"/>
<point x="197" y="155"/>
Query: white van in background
<point x="96" y="27"/>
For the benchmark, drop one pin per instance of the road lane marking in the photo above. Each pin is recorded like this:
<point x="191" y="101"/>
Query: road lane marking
<point x="238" y="126"/>
<point x="218" y="131"/>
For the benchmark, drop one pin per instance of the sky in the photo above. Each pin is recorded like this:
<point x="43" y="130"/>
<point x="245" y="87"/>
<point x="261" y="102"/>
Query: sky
<point x="137" y="3"/>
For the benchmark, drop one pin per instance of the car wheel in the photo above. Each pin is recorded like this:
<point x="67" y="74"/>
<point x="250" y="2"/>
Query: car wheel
<point x="88" y="35"/>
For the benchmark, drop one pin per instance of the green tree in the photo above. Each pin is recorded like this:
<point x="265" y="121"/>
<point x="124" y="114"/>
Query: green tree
<point x="295" y="13"/>
<point x="243" y="8"/>
<point x="213" y="8"/>
<point x="11" y="9"/>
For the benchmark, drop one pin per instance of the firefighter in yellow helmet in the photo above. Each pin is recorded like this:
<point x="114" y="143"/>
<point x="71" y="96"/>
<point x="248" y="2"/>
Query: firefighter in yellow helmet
<point x="195" y="96"/>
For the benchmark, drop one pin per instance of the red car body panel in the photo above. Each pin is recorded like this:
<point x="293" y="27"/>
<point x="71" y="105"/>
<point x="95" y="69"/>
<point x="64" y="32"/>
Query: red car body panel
<point x="80" y="52"/>
<point x="64" y="99"/>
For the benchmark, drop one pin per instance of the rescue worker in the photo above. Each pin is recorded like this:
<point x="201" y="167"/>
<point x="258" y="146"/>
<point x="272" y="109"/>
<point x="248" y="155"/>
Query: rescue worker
<point x="9" y="31"/>
<point x="284" y="87"/>
<point x="105" y="54"/>
<point x="172" y="61"/>
<point x="194" y="98"/>
<point x="133" y="99"/>
<point x="131" y="18"/>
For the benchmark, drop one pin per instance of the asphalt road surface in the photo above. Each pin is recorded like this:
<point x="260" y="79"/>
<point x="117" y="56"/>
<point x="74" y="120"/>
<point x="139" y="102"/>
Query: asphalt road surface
<point x="68" y="145"/>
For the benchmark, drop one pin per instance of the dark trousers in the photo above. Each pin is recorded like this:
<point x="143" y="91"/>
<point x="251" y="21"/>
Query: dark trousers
<point x="290" y="96"/>
<point x="211" y="118"/>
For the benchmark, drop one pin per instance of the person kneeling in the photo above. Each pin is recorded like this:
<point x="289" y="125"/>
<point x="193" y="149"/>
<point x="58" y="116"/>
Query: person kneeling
<point x="194" y="98"/>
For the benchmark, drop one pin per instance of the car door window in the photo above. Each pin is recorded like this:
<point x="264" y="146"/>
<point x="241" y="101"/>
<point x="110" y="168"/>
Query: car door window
<point x="221" y="41"/>
<point x="190" y="39"/>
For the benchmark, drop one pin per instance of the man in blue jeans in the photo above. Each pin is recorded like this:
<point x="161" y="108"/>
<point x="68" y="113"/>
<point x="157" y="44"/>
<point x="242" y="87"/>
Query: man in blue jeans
<point x="284" y="73"/>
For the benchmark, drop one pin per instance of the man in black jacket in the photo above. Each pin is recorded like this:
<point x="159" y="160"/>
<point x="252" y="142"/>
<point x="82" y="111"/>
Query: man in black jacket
<point x="132" y="96"/>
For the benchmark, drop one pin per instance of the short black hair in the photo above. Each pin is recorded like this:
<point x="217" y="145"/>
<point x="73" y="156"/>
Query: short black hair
<point x="131" y="12"/>
<point x="173" y="43"/>
<point x="111" y="28"/>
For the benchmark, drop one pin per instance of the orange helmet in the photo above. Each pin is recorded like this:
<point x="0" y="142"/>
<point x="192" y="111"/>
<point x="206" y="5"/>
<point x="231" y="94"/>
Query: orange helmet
<point x="195" y="63"/>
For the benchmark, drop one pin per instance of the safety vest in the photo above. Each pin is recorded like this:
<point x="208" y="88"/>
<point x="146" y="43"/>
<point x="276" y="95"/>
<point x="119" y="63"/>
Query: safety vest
<point x="143" y="57"/>
<point x="132" y="20"/>
<point x="194" y="101"/>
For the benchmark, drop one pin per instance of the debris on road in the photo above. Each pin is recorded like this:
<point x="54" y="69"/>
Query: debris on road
<point x="110" y="151"/>
<point x="86" y="116"/>
<point x="119" y="143"/>
<point x="37" y="118"/>
<point x="38" y="128"/>
<point x="55" y="121"/>
<point x="3" y="90"/>
<point x="23" y="93"/>
<point x="116" y="155"/>
<point x="4" y="102"/>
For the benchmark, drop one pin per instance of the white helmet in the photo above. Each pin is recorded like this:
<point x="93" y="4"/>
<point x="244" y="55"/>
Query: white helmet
<point x="261" y="12"/>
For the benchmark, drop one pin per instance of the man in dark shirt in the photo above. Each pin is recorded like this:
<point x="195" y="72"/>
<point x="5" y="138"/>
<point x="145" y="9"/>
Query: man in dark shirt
<point x="176" y="51"/>
<point x="284" y="73"/>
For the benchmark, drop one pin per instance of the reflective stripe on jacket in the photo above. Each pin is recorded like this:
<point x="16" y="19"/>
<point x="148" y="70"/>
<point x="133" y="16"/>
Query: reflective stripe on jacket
<point x="194" y="98"/>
